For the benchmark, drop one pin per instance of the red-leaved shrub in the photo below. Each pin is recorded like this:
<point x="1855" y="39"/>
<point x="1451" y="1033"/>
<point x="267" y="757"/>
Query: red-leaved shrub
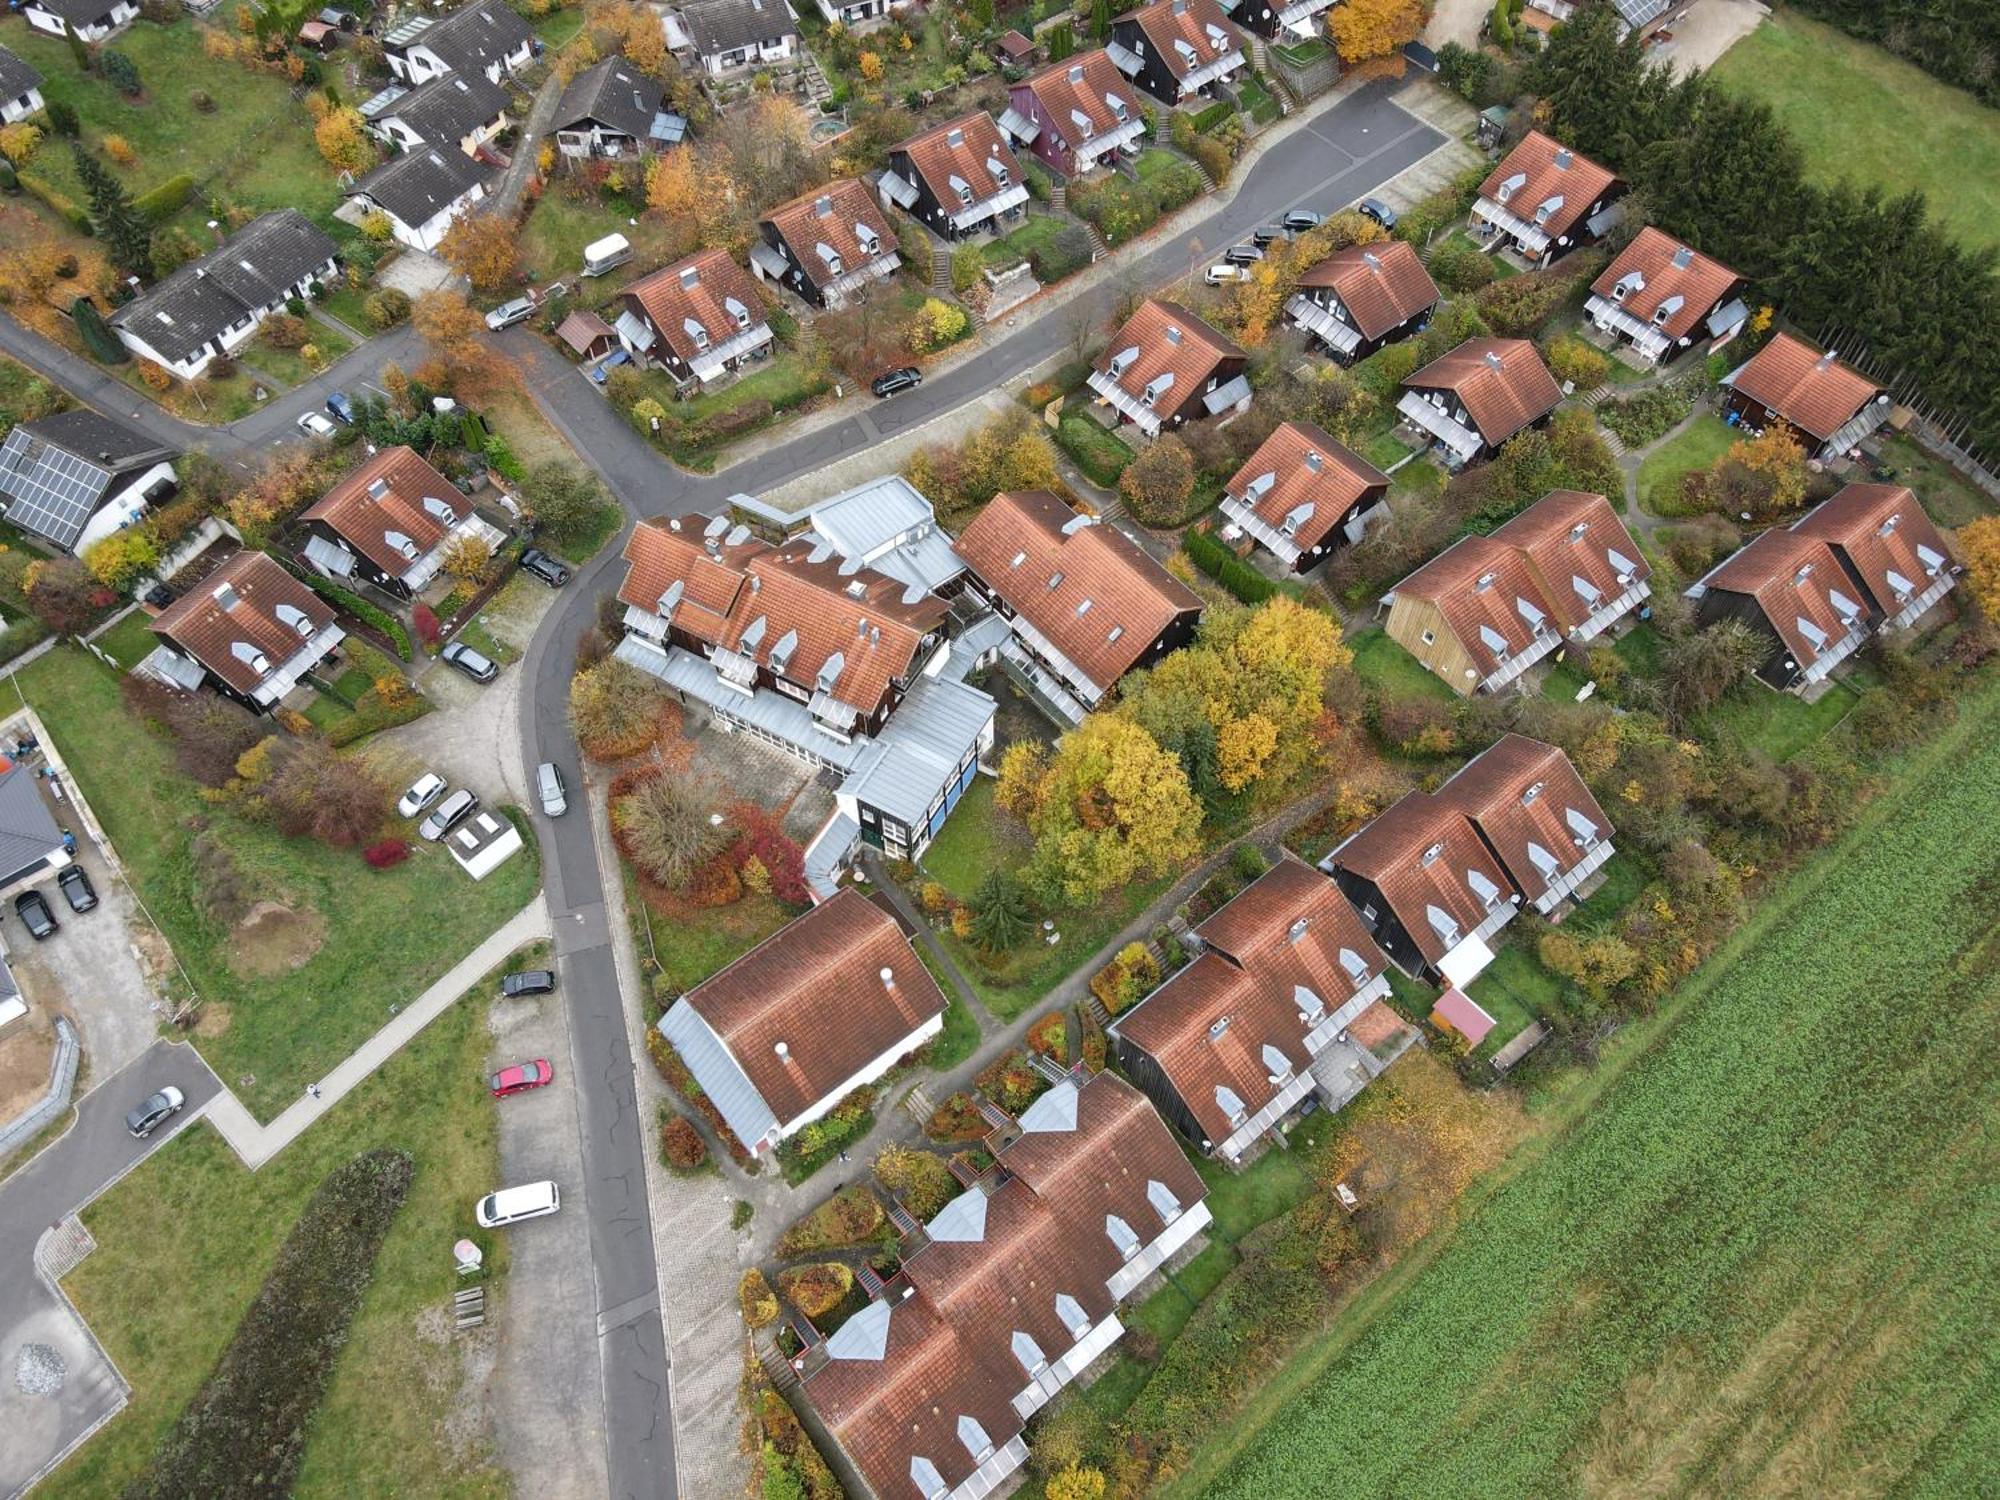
<point x="426" y="620"/>
<point x="385" y="854"/>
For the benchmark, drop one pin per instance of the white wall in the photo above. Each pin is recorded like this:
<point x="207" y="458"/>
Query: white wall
<point x="124" y="508"/>
<point x="20" y="108"/>
<point x="867" y="1075"/>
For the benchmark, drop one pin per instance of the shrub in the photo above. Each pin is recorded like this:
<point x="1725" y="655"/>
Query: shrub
<point x="957" y="1119"/>
<point x="62" y="118"/>
<point x="1227" y="569"/>
<point x="368" y="614"/>
<point x="1064" y="255"/>
<point x="386" y="854"/>
<point x="919" y="1179"/>
<point x="615" y="710"/>
<point x="816" y="1289"/>
<point x="1574" y="361"/>
<point x="1649" y="414"/>
<point x="119" y="70"/>
<point x="759" y="1302"/>
<point x="1101" y="455"/>
<point x="1458" y="266"/>
<point x="245" y="1430"/>
<point x="1158" y="484"/>
<point x="386" y="308"/>
<point x="937" y="324"/>
<point x="664" y="825"/>
<point x="120" y="150"/>
<point x="681" y="1147"/>
<point x="1248" y="861"/>
<point x="1010" y="1082"/>
<point x="57" y="203"/>
<point x="1518" y="307"/>
<point x="1050" y="1037"/>
<point x="428" y="627"/>
<point x="852" y="1216"/>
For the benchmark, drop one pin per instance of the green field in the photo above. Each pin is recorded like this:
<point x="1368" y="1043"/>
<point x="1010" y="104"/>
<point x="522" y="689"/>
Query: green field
<point x="294" y="993"/>
<point x="184" y="1242"/>
<point x="1757" y="1259"/>
<point x="1699" y="445"/>
<point x="1874" y="119"/>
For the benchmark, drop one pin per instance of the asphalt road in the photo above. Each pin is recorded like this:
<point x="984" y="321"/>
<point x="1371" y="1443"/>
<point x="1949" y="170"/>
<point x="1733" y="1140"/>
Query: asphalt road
<point x="94" y="1153"/>
<point x="1325" y="165"/>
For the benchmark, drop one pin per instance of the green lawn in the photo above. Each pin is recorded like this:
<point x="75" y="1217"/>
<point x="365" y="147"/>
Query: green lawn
<point x="1515" y="991"/>
<point x="1018" y="981"/>
<point x="22" y="392"/>
<point x="1155" y="162"/>
<point x="1704" y="440"/>
<point x="184" y="1242"/>
<point x="1501" y="269"/>
<point x="559" y="227"/>
<point x="1755" y="1255"/>
<point x="129" y="641"/>
<point x="211" y="402"/>
<point x="1779" y="724"/>
<point x="1275" y="1183"/>
<point x="1258" y="102"/>
<point x="1640" y="649"/>
<point x="787" y="380"/>
<point x="689" y="951"/>
<point x="976" y="838"/>
<point x="287" y="365"/>
<point x="1036" y="232"/>
<point x="1563" y="683"/>
<point x="1388" y="668"/>
<point x="1099" y="452"/>
<point x="1862" y="114"/>
<point x="1384" y="450"/>
<point x="293" y="996"/>
<point x="350" y="306"/>
<point x="1949" y="497"/>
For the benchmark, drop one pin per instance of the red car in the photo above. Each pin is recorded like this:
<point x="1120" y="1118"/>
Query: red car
<point x="521" y="1077"/>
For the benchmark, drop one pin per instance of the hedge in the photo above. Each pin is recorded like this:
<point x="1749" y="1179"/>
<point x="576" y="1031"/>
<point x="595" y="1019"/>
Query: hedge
<point x="1100" y="454"/>
<point x="57" y="202"/>
<point x="368" y="614"/>
<point x="157" y="205"/>
<point x="1214" y="115"/>
<point x="1227" y="569"/>
<point x="244" y="1432"/>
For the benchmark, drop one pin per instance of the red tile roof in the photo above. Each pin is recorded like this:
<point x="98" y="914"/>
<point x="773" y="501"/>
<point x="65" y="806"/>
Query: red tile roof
<point x="1522" y="796"/>
<point x="816" y="987"/>
<point x="1547" y="169"/>
<point x="1480" y="581"/>
<point x="1191" y="21"/>
<point x="1503" y="383"/>
<point x="392" y="494"/>
<point x="1093" y="591"/>
<point x="828" y="216"/>
<point x="1306" y="467"/>
<point x="1258" y="957"/>
<point x="1791" y="575"/>
<point x="962" y="148"/>
<point x="1813" y="391"/>
<point x="1419" y="854"/>
<point x="1081" y="83"/>
<point x="1572" y="534"/>
<point x="238" y="605"/>
<point x="1877" y="529"/>
<point x="1170" y="340"/>
<point x="1666" y="269"/>
<point x="732" y="580"/>
<point x="698" y="287"/>
<point x="1382" y="285"/>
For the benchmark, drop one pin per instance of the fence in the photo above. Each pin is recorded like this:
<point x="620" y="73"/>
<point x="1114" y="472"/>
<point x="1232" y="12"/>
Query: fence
<point x="62" y="1078"/>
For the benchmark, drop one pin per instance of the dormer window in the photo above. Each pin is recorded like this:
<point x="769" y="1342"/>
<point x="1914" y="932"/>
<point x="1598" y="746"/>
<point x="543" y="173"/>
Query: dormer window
<point x="696" y="332"/>
<point x="251" y="657"/>
<point x="1547" y="208"/>
<point x="1231" y="1104"/>
<point x="400" y="543"/>
<point x="963" y="188"/>
<point x="1117" y="108"/>
<point x="829" y="256"/>
<point x="1628" y="284"/>
<point x="737" y="311"/>
<point x="1122" y="361"/>
<point x="1082" y="122"/>
<point x="1055" y="580"/>
<point x="868" y="239"/>
<point x="1510" y="187"/>
<point x="298" y="619"/>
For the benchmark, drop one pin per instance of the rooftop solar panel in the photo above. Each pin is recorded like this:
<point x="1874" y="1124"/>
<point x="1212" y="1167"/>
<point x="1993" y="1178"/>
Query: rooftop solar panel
<point x="49" y="491"/>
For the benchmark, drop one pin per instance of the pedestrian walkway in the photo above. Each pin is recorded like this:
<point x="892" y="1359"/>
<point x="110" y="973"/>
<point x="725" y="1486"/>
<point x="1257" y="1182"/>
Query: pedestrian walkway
<point x="257" y="1144"/>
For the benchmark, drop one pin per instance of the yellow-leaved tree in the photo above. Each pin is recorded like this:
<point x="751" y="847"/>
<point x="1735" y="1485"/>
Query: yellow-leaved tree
<point x="1374" y="31"/>
<point x="343" y="141"/>
<point x="1979" y="543"/>
<point x="1113" y="807"/>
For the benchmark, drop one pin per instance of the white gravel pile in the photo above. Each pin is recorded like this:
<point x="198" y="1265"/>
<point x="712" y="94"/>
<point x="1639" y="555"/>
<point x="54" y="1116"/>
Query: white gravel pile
<point x="39" y="1371"/>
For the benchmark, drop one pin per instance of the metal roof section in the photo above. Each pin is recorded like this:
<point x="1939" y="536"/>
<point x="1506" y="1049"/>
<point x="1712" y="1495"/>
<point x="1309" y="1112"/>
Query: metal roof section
<point x="961" y="1221"/>
<point x="1054" y="1112"/>
<point x="863" y="1336"/>
<point x="722" y="1078"/>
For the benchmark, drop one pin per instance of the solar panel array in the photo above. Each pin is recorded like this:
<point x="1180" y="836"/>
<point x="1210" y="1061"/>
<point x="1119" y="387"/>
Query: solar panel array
<point x="50" y="491"/>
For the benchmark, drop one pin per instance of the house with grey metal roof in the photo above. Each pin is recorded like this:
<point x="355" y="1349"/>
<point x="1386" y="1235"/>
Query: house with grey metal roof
<point x="888" y="525"/>
<point x="422" y="192"/>
<point x="76" y="477"/>
<point x="724" y="36"/>
<point x="612" y="110"/>
<point x="213" y="305"/>
<point x="20" y="88"/>
<point x="31" y="845"/>
<point x="461" y="110"/>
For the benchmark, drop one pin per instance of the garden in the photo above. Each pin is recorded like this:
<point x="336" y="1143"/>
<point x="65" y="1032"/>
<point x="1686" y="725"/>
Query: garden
<point x="1122" y="206"/>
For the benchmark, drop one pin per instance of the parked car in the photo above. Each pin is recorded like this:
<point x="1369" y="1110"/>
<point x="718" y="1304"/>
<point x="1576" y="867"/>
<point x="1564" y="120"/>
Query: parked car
<point x="341" y="407"/>
<point x="507" y="314"/>
<point x="528" y="982"/>
<point x="315" y="425"/>
<point x="1299" y="220"/>
<point x="1218" y="275"/>
<point x="1243" y="255"/>
<point x="32" y="909"/>
<point x="76" y="888"/>
<point x="425" y="790"/>
<point x="447" y="815"/>
<point x="601" y="371"/>
<point x="521" y="1077"/>
<point x="470" y="662"/>
<point x="1266" y="235"/>
<point x="155" y="1111"/>
<point x="908" y="378"/>
<point x="511" y="1205"/>
<point x="1379" y="211"/>
<point x="549" y="782"/>
<point x="551" y="570"/>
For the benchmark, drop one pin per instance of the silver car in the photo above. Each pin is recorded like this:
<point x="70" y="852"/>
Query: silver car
<point x="507" y="314"/>
<point x="549" y="782"/>
<point x="447" y="815"/>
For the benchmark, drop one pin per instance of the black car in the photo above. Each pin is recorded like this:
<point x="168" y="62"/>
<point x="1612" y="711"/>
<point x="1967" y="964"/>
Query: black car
<point x="470" y="662"/>
<point x="906" y="379"/>
<point x="1376" y="209"/>
<point x="76" y="888"/>
<point x="155" y="1112"/>
<point x="528" y="982"/>
<point x="550" y="570"/>
<point x="1268" y="234"/>
<point x="34" y="911"/>
<point x="1299" y="220"/>
<point x="341" y="407"/>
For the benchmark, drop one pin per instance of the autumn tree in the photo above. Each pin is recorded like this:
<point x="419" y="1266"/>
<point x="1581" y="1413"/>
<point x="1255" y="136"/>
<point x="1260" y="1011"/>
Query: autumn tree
<point x="208" y="732"/>
<point x="1374" y="31"/>
<point x="342" y="139"/>
<point x="666" y="827"/>
<point x="455" y="331"/>
<point x="1023" y="764"/>
<point x="1697" y="670"/>
<point x="1113" y="807"/>
<point x="1075" y="1483"/>
<point x="1158" y="484"/>
<point x="483" y="248"/>
<point x="615" y="709"/>
<point x="1764" y="475"/>
<point x="920" y="1179"/>
<point x="62" y="595"/>
<point x="564" y="497"/>
<point x="466" y="557"/>
<point x="1979" y="542"/>
<point x="1597" y="963"/>
<point x="316" y="792"/>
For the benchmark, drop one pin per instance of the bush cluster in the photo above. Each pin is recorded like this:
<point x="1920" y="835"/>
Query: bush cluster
<point x="852" y="1216"/>
<point x="1226" y="568"/>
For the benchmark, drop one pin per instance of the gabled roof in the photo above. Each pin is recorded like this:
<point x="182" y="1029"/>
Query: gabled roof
<point x="1382" y="285"/>
<point x="17" y="75"/>
<point x="699" y="289"/>
<point x="1813" y="391"/>
<point x="448" y="108"/>
<point x="1503" y="383"/>
<point x="1164" y="340"/>
<point x="1542" y="173"/>
<point x="56" y="471"/>
<point x="247" y="610"/>
<point x="1298" y="471"/>
<point x="1194" y="25"/>
<point x="828" y="216"/>
<point x="613" y="93"/>
<point x="1429" y="863"/>
<point x="1487" y="594"/>
<point x="393" y="509"/>
<point x="1881" y="531"/>
<point x="1532" y="808"/>
<point x="27" y="834"/>
<point x="476" y="37"/>
<point x="835" y="989"/>
<point x="1215" y="1023"/>
<point x="1083" y="84"/>
<point x="797" y="610"/>
<point x="1575" y="544"/>
<point x="415" y="186"/>
<point x="1793" y="576"/>
<point x="716" y="26"/>
<point x="1090" y="589"/>
<point x="82" y="12"/>
<point x="961" y="149"/>
<point x="1658" y="271"/>
<point x="253" y="268"/>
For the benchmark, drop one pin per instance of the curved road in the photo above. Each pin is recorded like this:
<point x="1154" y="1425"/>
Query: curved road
<point x="1325" y="164"/>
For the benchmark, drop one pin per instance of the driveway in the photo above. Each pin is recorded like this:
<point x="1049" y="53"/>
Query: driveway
<point x="1456" y="21"/>
<point x="415" y="272"/>
<point x="38" y="1427"/>
<point x="1707" y="31"/>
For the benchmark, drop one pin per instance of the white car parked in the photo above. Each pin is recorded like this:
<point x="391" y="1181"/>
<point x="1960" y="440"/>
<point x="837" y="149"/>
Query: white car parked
<point x="314" y="425"/>
<point x="425" y="790"/>
<point x="511" y="1205"/>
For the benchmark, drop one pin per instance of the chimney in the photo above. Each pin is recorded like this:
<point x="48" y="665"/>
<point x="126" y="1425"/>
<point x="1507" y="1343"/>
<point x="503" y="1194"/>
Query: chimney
<point x="784" y="1052"/>
<point x="888" y="978"/>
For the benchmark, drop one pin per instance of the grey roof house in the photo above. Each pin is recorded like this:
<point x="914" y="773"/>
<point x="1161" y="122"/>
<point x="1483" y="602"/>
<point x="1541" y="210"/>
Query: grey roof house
<point x="422" y="192"/>
<point x="20" y="88"/>
<point x="30" y="842"/>
<point x="613" y="110"/>
<point x="76" y="477"/>
<point x="460" y="109"/>
<point x="725" y="35"/>
<point x="488" y="37"/>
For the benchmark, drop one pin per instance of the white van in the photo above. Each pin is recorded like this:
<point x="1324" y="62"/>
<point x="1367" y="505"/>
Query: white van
<point x="602" y="255"/>
<point x="511" y="1205"/>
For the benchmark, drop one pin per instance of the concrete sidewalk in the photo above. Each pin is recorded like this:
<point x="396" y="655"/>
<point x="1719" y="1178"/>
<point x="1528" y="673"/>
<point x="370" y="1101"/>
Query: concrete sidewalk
<point x="257" y="1144"/>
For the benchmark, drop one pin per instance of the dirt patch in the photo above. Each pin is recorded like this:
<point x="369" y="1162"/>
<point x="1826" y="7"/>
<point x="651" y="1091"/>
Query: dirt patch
<point x="24" y="1064"/>
<point x="461" y="1383"/>
<point x="274" y="939"/>
<point x="214" y="1018"/>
